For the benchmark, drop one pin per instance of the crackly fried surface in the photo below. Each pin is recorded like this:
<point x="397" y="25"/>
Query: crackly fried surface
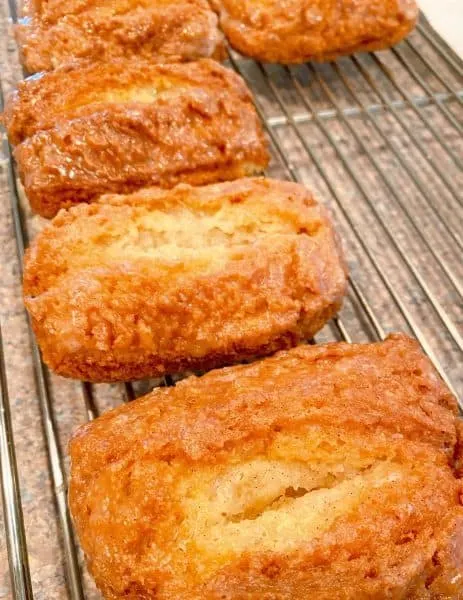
<point x="158" y="282"/>
<point x="43" y="101"/>
<point x="324" y="472"/>
<point x="147" y="125"/>
<point x="55" y="33"/>
<point x="51" y="11"/>
<point x="296" y="31"/>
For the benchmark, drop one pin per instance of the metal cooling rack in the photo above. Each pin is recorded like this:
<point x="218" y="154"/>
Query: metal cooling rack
<point x="378" y="137"/>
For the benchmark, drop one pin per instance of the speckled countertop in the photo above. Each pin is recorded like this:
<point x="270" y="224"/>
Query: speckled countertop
<point x="42" y="530"/>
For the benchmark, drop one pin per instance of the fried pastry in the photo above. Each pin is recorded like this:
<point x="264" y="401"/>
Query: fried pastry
<point x="324" y="472"/>
<point x="43" y="101"/>
<point x="192" y="278"/>
<point x="117" y="127"/>
<point x="56" y="33"/>
<point x="297" y="31"/>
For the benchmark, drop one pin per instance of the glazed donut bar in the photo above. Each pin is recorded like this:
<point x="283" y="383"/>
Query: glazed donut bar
<point x="92" y="129"/>
<point x="297" y="31"/>
<point x="192" y="278"/>
<point x="43" y="101"/>
<point x="55" y="33"/>
<point x="324" y="472"/>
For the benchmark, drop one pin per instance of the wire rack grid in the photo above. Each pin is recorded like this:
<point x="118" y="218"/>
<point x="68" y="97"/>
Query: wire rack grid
<point x="378" y="138"/>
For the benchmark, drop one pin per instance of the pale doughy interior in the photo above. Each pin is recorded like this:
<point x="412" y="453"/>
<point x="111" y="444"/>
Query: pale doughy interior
<point x="282" y="511"/>
<point x="289" y="498"/>
<point x="185" y="237"/>
<point x="158" y="87"/>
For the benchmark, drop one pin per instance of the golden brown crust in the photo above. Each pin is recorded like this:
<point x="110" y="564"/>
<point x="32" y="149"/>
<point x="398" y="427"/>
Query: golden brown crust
<point x="51" y="11"/>
<point x="158" y="282"/>
<point x="324" y="472"/>
<point x="192" y="122"/>
<point x="42" y="101"/>
<point x="161" y="31"/>
<point x="295" y="31"/>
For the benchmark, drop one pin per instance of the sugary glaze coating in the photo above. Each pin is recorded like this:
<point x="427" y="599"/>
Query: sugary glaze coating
<point x="163" y="281"/>
<point x="151" y="125"/>
<point x="51" y="11"/>
<point x="324" y="472"/>
<point x="42" y="101"/>
<point x="56" y="33"/>
<point x="295" y="31"/>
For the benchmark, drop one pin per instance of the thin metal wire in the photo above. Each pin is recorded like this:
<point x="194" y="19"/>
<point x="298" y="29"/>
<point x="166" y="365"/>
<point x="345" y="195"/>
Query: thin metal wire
<point x="418" y="111"/>
<point x="360" y="185"/>
<point x="128" y="393"/>
<point x="377" y="327"/>
<point x="444" y="110"/>
<point x="391" y="187"/>
<point x="342" y="330"/>
<point x="436" y="305"/>
<point x="87" y="392"/>
<point x="73" y="578"/>
<point x="404" y="164"/>
<point x="454" y="93"/>
<point x="13" y="10"/>
<point x="412" y="136"/>
<point x="440" y="50"/>
<point x="11" y="496"/>
<point x="351" y="111"/>
<point x="168" y="381"/>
